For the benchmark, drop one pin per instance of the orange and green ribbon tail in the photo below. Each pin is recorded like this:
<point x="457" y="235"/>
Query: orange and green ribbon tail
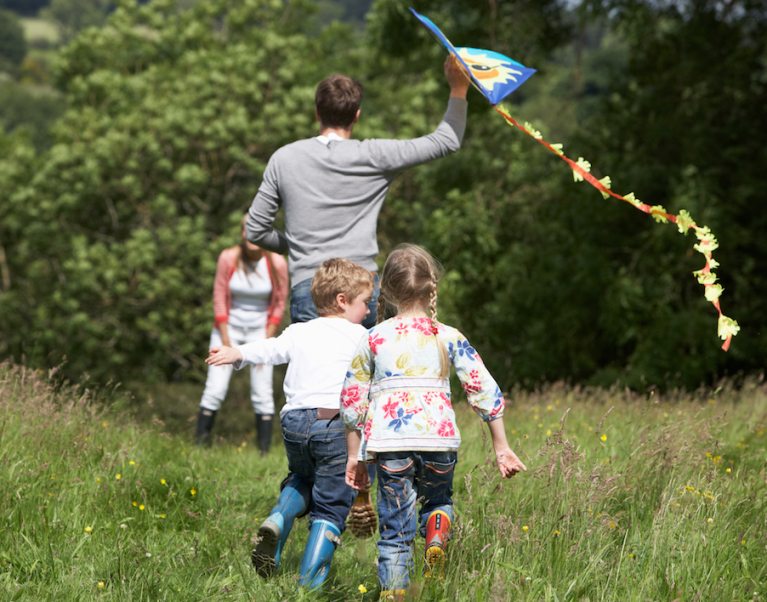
<point x="706" y="245"/>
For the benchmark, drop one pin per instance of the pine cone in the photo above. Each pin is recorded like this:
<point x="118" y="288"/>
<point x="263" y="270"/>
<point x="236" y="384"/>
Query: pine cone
<point x="362" y="518"/>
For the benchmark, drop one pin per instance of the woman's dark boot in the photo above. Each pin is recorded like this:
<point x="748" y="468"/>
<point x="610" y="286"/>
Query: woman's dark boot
<point x="264" y="432"/>
<point x="205" y="420"/>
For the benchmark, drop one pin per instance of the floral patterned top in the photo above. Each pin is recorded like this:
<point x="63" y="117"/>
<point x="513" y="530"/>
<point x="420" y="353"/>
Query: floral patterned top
<point x="394" y="393"/>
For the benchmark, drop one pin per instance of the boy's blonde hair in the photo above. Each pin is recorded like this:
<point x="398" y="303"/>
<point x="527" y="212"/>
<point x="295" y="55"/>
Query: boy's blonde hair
<point x="409" y="279"/>
<point x="337" y="276"/>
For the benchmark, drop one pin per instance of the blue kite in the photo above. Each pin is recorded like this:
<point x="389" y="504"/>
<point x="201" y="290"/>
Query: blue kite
<point x="494" y="74"/>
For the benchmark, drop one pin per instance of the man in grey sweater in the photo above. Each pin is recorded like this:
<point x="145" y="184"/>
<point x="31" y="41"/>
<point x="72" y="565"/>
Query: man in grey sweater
<point x="332" y="187"/>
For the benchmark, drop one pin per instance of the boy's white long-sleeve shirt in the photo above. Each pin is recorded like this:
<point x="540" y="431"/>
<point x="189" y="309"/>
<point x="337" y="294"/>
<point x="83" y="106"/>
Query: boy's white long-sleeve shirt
<point x="318" y="354"/>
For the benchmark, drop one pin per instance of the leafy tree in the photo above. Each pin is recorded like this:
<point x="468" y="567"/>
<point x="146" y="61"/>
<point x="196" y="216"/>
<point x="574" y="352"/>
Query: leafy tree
<point x="74" y="15"/>
<point x="678" y="125"/>
<point x="30" y="109"/>
<point x="108" y="238"/>
<point x="552" y="280"/>
<point x="111" y="241"/>
<point x="13" y="47"/>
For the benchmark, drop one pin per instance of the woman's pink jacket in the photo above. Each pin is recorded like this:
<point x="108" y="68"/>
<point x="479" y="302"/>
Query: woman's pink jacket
<point x="222" y="296"/>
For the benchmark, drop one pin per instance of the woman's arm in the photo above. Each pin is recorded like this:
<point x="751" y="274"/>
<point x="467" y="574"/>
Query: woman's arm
<point x="223" y="329"/>
<point x="227" y="261"/>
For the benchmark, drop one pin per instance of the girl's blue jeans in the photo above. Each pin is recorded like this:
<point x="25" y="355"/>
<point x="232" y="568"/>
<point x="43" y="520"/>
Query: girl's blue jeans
<point x="403" y="479"/>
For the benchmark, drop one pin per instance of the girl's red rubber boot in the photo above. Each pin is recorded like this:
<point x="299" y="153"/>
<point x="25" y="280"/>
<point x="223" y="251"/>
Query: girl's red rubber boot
<point x="437" y="533"/>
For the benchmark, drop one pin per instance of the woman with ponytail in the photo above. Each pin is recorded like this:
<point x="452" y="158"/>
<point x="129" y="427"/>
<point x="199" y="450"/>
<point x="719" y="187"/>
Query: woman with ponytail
<point x="249" y="293"/>
<point x="397" y="410"/>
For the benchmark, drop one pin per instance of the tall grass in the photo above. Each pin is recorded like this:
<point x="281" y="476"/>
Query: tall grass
<point x="626" y="498"/>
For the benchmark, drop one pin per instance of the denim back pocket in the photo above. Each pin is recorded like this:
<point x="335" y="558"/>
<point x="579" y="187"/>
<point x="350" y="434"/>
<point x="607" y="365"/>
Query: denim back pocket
<point x="440" y="463"/>
<point x="295" y="425"/>
<point x="395" y="463"/>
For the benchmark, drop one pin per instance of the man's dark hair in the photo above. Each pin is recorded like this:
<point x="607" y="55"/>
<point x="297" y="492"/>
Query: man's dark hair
<point x="337" y="100"/>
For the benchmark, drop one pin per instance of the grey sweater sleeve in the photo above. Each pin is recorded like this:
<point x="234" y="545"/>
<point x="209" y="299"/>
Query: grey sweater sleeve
<point x="394" y="155"/>
<point x="259" y="226"/>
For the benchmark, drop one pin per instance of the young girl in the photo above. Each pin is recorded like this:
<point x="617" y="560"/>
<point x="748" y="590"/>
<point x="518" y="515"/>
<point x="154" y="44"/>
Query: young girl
<point x="396" y="407"/>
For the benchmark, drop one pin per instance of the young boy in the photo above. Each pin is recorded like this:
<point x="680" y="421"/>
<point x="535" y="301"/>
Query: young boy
<point x="318" y="354"/>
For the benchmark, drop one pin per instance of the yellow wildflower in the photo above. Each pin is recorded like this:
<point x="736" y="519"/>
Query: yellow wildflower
<point x="88" y="530"/>
<point x="193" y="491"/>
<point x="556" y="533"/>
<point x="362" y="589"/>
<point x="728" y="470"/>
<point x="163" y="515"/>
<point x="132" y="462"/>
<point x="134" y="503"/>
<point x="612" y="525"/>
<point x="101" y="585"/>
<point x="548" y="432"/>
<point x="141" y="507"/>
<point x="163" y="482"/>
<point x="603" y="438"/>
<point x="525" y="528"/>
<point x="118" y="476"/>
<point x="709" y="520"/>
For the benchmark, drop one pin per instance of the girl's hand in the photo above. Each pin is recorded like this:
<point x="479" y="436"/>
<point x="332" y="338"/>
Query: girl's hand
<point x="356" y="474"/>
<point x="508" y="463"/>
<point x="220" y="356"/>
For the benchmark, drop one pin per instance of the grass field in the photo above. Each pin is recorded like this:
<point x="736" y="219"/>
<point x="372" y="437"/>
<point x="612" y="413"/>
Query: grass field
<point x="626" y="498"/>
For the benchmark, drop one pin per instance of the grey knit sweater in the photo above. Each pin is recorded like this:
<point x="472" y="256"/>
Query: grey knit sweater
<point x="332" y="193"/>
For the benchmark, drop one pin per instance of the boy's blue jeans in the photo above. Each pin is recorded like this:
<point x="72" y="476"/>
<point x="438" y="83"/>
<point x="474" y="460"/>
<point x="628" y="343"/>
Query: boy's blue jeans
<point x="302" y="308"/>
<point x="403" y="478"/>
<point x="316" y="451"/>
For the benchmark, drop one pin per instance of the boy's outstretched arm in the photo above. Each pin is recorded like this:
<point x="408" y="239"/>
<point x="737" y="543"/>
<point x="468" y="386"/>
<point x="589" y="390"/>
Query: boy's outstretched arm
<point x="221" y="356"/>
<point x="356" y="472"/>
<point x="508" y="462"/>
<point x="270" y="351"/>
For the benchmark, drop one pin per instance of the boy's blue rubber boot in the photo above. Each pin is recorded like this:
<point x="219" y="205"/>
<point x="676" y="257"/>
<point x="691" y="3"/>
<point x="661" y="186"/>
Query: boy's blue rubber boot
<point x="324" y="536"/>
<point x="274" y="531"/>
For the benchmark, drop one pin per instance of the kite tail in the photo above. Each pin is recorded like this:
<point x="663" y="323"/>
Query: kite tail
<point x="707" y="243"/>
